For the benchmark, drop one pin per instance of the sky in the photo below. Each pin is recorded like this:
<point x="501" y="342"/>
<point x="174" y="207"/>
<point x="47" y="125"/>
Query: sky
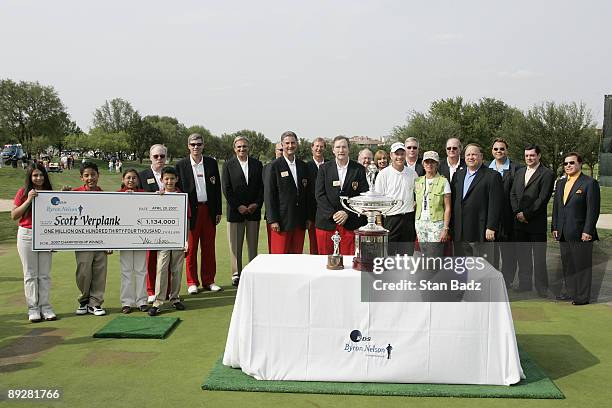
<point x="319" y="68"/>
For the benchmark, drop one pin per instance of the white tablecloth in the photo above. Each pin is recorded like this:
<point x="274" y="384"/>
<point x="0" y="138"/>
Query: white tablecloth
<point x="293" y="320"/>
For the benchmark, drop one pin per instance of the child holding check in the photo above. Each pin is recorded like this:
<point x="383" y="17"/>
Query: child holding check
<point x="36" y="265"/>
<point x="169" y="261"/>
<point x="91" y="265"/>
<point x="133" y="263"/>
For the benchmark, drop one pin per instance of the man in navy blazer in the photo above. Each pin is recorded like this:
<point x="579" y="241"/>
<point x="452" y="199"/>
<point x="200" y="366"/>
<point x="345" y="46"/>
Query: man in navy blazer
<point x="150" y="181"/>
<point x="336" y="178"/>
<point x="477" y="194"/>
<point x="454" y="161"/>
<point x="505" y="247"/>
<point x="575" y="214"/>
<point x="317" y="148"/>
<point x="199" y="178"/>
<point x="286" y="194"/>
<point x="529" y="198"/>
<point x="243" y="189"/>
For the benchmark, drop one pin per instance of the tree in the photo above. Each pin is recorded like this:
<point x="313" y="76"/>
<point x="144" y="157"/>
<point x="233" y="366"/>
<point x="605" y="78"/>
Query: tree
<point x="115" y="115"/>
<point x="173" y="134"/>
<point x="431" y="131"/>
<point x="141" y="135"/>
<point x="28" y="110"/>
<point x="556" y="128"/>
<point x="589" y="148"/>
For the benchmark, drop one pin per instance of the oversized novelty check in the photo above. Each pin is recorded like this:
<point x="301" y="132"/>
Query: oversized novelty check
<point x="85" y="221"/>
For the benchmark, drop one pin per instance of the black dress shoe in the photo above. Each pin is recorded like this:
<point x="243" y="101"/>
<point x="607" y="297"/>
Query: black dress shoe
<point x="563" y="297"/>
<point x="153" y="311"/>
<point x="178" y="306"/>
<point x="575" y="303"/>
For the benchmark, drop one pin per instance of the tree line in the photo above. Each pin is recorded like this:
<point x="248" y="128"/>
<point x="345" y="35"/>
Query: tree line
<point x="34" y="115"/>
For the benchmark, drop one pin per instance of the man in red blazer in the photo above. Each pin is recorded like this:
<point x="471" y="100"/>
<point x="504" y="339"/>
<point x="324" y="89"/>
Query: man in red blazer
<point x="199" y="178"/>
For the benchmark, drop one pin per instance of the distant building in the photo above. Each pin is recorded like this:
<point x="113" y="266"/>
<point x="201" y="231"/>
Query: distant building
<point x="365" y="141"/>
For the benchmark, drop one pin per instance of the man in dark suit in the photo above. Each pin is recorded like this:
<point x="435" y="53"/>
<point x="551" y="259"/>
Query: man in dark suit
<point x="317" y="148"/>
<point x="413" y="160"/>
<point x="278" y="152"/>
<point x="575" y="214"/>
<point x="199" y="178"/>
<point x="243" y="190"/>
<point x="339" y="177"/>
<point x="453" y="161"/>
<point x="150" y="181"/>
<point x="477" y="194"/>
<point x="505" y="247"/>
<point x="529" y="199"/>
<point x="287" y="196"/>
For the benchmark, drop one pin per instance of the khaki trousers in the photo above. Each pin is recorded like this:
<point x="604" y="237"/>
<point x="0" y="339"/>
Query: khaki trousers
<point x="235" y="235"/>
<point x="168" y="262"/>
<point x="91" y="276"/>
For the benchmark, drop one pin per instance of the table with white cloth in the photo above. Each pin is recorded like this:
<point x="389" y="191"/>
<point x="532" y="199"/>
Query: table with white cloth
<point x="293" y="319"/>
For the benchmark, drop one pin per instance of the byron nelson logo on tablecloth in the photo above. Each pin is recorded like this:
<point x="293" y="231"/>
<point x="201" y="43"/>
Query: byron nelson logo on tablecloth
<point x="365" y="345"/>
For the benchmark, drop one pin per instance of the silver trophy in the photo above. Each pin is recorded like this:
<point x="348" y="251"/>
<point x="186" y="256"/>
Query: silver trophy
<point x="371" y="240"/>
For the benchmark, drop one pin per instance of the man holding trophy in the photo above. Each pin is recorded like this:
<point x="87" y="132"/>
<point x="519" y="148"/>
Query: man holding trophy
<point x="336" y="178"/>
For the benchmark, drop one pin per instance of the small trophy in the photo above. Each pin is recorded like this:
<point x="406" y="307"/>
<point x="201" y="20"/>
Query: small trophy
<point x="335" y="261"/>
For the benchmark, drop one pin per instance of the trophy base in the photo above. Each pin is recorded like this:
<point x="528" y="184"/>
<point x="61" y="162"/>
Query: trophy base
<point x="335" y="262"/>
<point x="369" y="244"/>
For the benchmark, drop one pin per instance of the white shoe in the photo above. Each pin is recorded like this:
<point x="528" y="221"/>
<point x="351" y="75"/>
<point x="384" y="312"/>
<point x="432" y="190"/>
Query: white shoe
<point x="192" y="290"/>
<point x="151" y="299"/>
<point x="82" y="309"/>
<point x="96" y="310"/>
<point x="213" y="287"/>
<point x="34" y="316"/>
<point x="48" y="315"/>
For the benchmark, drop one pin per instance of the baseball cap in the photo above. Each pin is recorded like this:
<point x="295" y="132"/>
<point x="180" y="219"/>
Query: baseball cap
<point x="431" y="155"/>
<point x="396" y="146"/>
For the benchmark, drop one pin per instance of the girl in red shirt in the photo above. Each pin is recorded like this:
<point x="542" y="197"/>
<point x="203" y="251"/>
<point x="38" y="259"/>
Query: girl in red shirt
<point x="36" y="265"/>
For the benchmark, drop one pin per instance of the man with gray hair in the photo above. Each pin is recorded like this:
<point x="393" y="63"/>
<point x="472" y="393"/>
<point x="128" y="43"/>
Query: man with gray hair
<point x="243" y="190"/>
<point x="413" y="160"/>
<point x="453" y="161"/>
<point x="150" y="181"/>
<point x="365" y="157"/>
<point x="199" y="178"/>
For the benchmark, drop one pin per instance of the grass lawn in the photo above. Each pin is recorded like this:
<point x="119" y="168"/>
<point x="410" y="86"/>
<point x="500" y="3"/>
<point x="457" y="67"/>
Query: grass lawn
<point x="571" y="344"/>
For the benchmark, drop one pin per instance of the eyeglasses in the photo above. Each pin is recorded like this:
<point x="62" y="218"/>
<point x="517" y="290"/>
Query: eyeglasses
<point x="499" y="149"/>
<point x="411" y="147"/>
<point x="159" y="156"/>
<point x="195" y="144"/>
<point x="569" y="163"/>
<point x="452" y="148"/>
<point x="241" y="147"/>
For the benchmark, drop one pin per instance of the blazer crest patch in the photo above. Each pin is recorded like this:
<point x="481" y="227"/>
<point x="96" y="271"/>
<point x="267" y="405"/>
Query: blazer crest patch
<point x="355" y="184"/>
<point x="304" y="182"/>
<point x="579" y="191"/>
<point x="212" y="179"/>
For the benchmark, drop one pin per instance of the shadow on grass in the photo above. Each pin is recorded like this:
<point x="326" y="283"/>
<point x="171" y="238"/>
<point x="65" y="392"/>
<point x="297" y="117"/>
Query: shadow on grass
<point x="207" y="300"/>
<point x="558" y="355"/>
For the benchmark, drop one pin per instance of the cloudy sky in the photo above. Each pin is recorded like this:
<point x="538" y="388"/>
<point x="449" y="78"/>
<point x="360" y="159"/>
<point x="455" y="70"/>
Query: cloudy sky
<point x="320" y="68"/>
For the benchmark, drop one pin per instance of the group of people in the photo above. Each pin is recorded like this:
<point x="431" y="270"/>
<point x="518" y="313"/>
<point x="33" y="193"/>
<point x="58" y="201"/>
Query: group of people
<point x="456" y="205"/>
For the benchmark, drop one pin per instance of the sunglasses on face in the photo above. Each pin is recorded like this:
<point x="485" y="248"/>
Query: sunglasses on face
<point x="159" y="156"/>
<point x="452" y="148"/>
<point x="195" y="144"/>
<point x="499" y="149"/>
<point x="411" y="147"/>
<point x="569" y="163"/>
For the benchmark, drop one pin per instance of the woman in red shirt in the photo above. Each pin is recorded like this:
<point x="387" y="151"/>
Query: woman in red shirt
<point x="36" y="265"/>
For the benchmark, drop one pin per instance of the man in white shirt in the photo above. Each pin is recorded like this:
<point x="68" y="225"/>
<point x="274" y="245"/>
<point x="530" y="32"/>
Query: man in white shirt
<point x="150" y="181"/>
<point x="199" y="178"/>
<point x="412" y="156"/>
<point x="243" y="190"/>
<point x="317" y="149"/>
<point x="397" y="181"/>
<point x="453" y="161"/>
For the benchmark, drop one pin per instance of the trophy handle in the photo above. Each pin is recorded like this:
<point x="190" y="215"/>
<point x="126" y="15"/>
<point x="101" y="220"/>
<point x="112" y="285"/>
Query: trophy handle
<point x="396" y="204"/>
<point x="342" y="201"/>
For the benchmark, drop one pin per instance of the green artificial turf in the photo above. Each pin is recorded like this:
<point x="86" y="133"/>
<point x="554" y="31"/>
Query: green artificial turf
<point x="126" y="327"/>
<point x="536" y="385"/>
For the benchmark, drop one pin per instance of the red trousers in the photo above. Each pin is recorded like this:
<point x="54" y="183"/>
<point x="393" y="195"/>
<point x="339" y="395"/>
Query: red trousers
<point x="287" y="242"/>
<point x="203" y="233"/>
<point x="312" y="237"/>
<point x="326" y="245"/>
